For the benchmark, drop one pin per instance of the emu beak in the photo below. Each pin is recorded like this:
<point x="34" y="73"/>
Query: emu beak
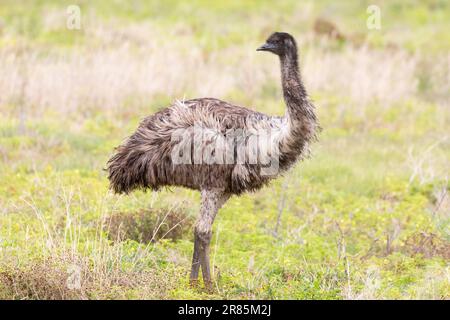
<point x="266" y="47"/>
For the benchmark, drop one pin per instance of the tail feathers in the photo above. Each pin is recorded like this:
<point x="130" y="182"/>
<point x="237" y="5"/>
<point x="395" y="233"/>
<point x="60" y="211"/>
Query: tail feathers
<point x="130" y="169"/>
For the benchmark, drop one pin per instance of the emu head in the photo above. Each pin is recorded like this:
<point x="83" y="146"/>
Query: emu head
<point x="280" y="43"/>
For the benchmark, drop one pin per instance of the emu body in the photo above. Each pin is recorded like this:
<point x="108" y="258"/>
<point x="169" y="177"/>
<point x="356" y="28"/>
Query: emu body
<point x="148" y="159"/>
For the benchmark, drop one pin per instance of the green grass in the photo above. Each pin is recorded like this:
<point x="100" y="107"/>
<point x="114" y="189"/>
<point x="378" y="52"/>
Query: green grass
<point x="367" y="216"/>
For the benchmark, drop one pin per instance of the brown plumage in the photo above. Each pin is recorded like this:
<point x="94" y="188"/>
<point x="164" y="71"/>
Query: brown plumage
<point x="185" y="145"/>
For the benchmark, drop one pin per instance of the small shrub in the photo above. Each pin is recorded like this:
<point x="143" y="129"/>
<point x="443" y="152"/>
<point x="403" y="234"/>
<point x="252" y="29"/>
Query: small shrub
<point x="65" y="277"/>
<point x="149" y="225"/>
<point x="40" y="280"/>
<point x="427" y="244"/>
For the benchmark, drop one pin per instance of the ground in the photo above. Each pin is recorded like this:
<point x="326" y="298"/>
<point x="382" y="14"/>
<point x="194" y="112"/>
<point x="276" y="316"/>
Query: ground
<point x="366" y="216"/>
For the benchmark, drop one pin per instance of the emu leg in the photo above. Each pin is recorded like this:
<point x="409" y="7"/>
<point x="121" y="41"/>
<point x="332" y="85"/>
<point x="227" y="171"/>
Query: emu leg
<point x="212" y="200"/>
<point x="195" y="263"/>
<point x="204" y="262"/>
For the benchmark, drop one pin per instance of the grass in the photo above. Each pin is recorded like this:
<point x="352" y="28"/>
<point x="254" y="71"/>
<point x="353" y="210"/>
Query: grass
<point x="367" y="217"/>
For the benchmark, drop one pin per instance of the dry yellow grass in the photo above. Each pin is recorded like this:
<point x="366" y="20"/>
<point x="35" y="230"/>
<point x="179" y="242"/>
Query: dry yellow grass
<point x="125" y="67"/>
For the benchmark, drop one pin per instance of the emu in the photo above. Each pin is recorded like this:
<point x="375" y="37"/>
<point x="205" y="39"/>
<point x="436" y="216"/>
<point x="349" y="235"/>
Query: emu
<point x="187" y="145"/>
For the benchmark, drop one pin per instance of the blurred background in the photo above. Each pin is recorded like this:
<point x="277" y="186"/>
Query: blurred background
<point x="368" y="216"/>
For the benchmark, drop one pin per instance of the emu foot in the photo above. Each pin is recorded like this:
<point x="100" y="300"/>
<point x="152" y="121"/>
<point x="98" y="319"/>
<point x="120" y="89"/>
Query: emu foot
<point x="209" y="286"/>
<point x="193" y="283"/>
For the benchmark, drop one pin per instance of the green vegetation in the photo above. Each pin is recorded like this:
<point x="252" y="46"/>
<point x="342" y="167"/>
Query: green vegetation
<point x="367" y="216"/>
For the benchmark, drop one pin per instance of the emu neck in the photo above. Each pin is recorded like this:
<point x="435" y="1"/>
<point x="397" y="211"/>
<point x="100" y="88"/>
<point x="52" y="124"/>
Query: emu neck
<point x="300" y="112"/>
<point x="301" y="119"/>
<point x="294" y="92"/>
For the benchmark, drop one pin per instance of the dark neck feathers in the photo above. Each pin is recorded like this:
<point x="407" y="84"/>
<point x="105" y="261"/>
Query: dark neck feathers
<point x="300" y="111"/>
<point x="294" y="91"/>
<point x="298" y="106"/>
